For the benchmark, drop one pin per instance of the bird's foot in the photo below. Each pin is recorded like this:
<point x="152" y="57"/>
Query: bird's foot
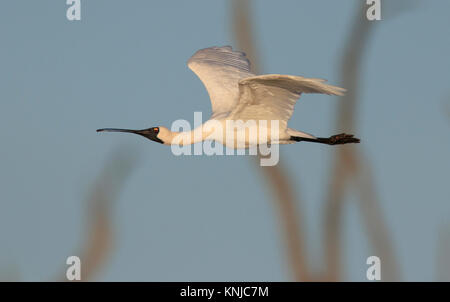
<point x="340" y="139"/>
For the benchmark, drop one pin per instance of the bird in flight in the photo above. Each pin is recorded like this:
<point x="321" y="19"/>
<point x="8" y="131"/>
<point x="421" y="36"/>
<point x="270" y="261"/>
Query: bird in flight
<point x="239" y="95"/>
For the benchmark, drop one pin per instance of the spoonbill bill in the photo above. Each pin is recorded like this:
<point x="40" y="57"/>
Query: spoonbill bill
<point x="239" y="95"/>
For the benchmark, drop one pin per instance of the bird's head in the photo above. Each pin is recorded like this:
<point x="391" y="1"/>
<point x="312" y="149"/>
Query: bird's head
<point x="154" y="133"/>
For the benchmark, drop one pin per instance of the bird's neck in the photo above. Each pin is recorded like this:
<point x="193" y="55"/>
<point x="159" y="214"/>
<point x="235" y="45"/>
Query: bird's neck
<point x="186" y="137"/>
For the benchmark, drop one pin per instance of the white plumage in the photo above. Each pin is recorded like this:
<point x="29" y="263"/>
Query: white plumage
<point x="238" y="94"/>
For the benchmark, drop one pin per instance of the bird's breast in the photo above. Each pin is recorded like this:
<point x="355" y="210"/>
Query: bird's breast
<point x="243" y="134"/>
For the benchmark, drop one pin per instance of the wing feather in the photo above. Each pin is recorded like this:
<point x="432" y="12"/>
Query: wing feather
<point x="220" y="69"/>
<point x="273" y="96"/>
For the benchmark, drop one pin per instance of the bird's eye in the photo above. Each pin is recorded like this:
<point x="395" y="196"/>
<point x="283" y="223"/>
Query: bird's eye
<point x="156" y="129"/>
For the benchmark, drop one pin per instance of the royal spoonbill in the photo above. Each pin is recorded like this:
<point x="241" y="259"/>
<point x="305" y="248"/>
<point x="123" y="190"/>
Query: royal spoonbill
<point x="238" y="95"/>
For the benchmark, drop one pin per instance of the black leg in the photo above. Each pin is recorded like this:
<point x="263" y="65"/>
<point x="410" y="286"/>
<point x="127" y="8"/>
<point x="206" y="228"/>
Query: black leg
<point x="338" y="139"/>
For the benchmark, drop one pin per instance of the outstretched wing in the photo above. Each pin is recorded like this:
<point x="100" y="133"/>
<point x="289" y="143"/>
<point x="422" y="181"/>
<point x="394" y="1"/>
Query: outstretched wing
<point x="273" y="96"/>
<point x="220" y="69"/>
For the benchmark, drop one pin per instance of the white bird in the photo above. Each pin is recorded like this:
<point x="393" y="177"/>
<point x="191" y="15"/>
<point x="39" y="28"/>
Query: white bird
<point x="237" y="94"/>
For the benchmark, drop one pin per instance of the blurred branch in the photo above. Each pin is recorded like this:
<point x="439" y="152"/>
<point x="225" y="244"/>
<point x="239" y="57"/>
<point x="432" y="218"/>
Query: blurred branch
<point x="243" y="32"/>
<point x="105" y="191"/>
<point x="348" y="164"/>
<point x="276" y="175"/>
<point x="285" y="201"/>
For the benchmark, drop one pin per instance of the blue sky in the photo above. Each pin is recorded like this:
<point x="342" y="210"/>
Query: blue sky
<point x="211" y="218"/>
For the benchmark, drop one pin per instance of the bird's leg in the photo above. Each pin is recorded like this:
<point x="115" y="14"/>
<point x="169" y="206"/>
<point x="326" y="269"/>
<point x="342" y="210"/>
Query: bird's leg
<point x="338" y="139"/>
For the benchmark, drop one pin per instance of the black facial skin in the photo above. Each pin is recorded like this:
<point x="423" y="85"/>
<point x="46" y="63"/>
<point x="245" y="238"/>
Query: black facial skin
<point x="149" y="133"/>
